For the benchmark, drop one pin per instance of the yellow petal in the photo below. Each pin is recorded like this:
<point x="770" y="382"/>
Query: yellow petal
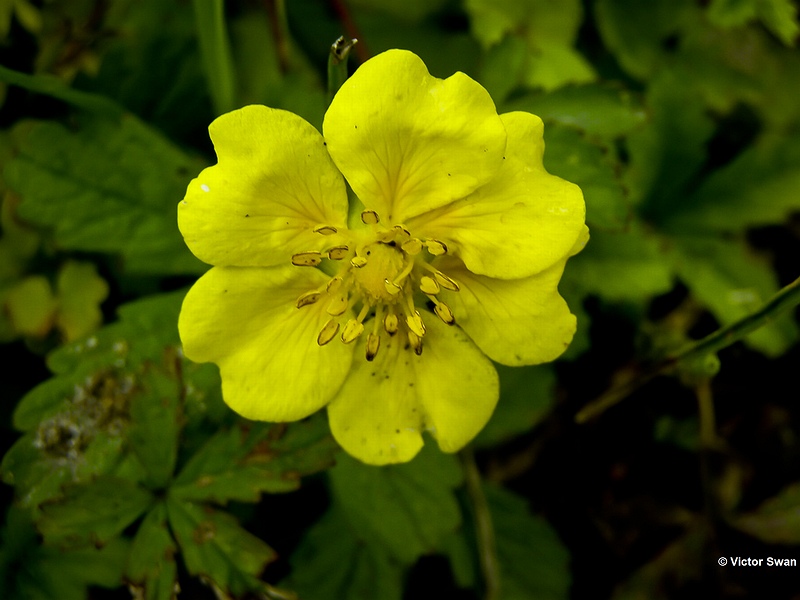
<point x="274" y="183"/>
<point x="408" y="142"/>
<point x="383" y="407"/>
<point x="246" y="321"/>
<point x="514" y="321"/>
<point x="522" y="221"/>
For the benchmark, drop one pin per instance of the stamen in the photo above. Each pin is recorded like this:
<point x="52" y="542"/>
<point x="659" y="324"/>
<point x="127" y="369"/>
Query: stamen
<point x="308" y="298"/>
<point x="325" y="229"/>
<point x="358" y="261"/>
<point x="415" y="323"/>
<point x="412" y="246"/>
<point x="392" y="288"/>
<point x="307" y="259"/>
<point x="428" y="285"/>
<point x="370" y="217"/>
<point x="401" y="233"/>
<point x="328" y="332"/>
<point x="446" y="282"/>
<point x="436" y="247"/>
<point x="333" y="284"/>
<point x="390" y="323"/>
<point x="373" y="343"/>
<point x="443" y="312"/>
<point x="415" y="341"/>
<point x="338" y="305"/>
<point x="338" y="252"/>
<point x="352" y="330"/>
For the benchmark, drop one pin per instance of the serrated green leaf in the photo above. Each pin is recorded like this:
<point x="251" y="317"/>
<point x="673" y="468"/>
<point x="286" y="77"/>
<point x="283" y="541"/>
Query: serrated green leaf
<point x="758" y="188"/>
<point x="635" y="31"/>
<point x="779" y="16"/>
<point x="254" y="458"/>
<point x="93" y="513"/>
<point x="667" y="154"/>
<point x="331" y="563"/>
<point x="151" y="569"/>
<point x="144" y="329"/>
<point x="31" y="571"/>
<point x="602" y="110"/>
<point x="155" y="424"/>
<point x="213" y="545"/>
<point x="732" y="283"/>
<point x="548" y="29"/>
<point x="533" y="561"/>
<point x="590" y="165"/>
<point x="407" y="509"/>
<point x="112" y="187"/>
<point x="619" y="266"/>
<point x="526" y="396"/>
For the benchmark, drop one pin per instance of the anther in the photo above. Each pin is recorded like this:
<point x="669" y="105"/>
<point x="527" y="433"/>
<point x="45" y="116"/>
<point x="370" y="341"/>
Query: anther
<point x="338" y="252"/>
<point x="401" y="233"/>
<point x="308" y="298"/>
<point x="436" y="247"/>
<point x="444" y="313"/>
<point x="415" y="341"/>
<point x="325" y="229"/>
<point x="415" y="323"/>
<point x="390" y="323"/>
<point x="328" y="332"/>
<point x="333" y="284"/>
<point x="352" y="329"/>
<point x="337" y="306"/>
<point x="412" y="246"/>
<point x="369" y="217"/>
<point x="428" y="285"/>
<point x="373" y="343"/>
<point x="391" y="287"/>
<point x="358" y="261"/>
<point x="446" y="282"/>
<point x="307" y="259"/>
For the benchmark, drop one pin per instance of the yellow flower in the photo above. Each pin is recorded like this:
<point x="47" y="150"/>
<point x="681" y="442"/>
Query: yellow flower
<point x="386" y="308"/>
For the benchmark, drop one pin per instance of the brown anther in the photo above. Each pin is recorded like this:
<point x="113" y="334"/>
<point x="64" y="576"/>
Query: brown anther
<point x="446" y="282"/>
<point x="338" y="252"/>
<point x="391" y="287"/>
<point x="416" y="324"/>
<point x="325" y="229"/>
<point x="444" y="313"/>
<point x="436" y="247"/>
<point x="412" y="246"/>
<point x="370" y="217"/>
<point x="328" y="332"/>
<point x="358" y="261"/>
<point x="415" y="341"/>
<point x="390" y="323"/>
<point x="337" y="306"/>
<point x="352" y="329"/>
<point x="373" y="343"/>
<point x="308" y="298"/>
<point x="428" y="285"/>
<point x="307" y="259"/>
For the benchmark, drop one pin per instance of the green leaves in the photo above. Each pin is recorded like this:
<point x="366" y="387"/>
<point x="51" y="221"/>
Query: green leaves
<point x="111" y="187"/>
<point x="407" y="509"/>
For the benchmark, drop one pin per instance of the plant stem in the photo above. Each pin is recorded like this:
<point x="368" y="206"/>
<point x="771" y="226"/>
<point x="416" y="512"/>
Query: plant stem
<point x="785" y="299"/>
<point x="484" y="527"/>
<point x="337" y="64"/>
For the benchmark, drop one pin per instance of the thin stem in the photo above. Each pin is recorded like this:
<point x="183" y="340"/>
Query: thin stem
<point x="276" y="10"/>
<point x="337" y="64"/>
<point x="484" y="527"/>
<point x="785" y="299"/>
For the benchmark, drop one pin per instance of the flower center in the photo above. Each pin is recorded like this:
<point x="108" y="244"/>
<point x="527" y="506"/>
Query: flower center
<point x="380" y="281"/>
